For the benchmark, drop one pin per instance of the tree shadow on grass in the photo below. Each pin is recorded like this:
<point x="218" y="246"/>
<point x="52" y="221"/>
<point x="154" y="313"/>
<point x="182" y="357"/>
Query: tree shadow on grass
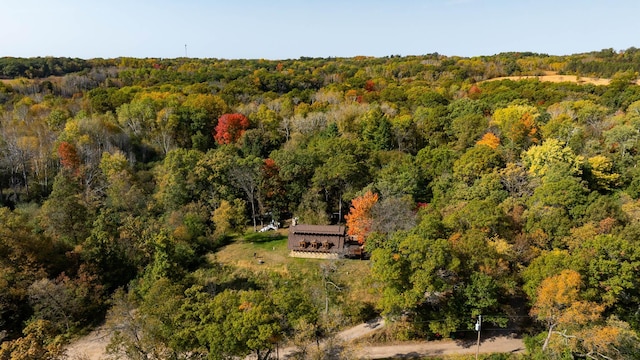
<point x="263" y="237"/>
<point x="221" y="242"/>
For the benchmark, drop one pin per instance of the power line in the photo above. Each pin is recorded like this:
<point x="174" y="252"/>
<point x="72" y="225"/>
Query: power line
<point x="469" y="319"/>
<point x="478" y="328"/>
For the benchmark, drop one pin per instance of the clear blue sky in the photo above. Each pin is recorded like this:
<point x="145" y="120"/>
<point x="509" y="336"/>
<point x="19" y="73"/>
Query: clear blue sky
<point x="289" y="29"/>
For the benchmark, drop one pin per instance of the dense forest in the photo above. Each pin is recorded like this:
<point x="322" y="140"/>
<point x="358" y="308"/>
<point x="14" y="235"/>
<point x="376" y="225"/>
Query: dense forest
<point x="120" y="179"/>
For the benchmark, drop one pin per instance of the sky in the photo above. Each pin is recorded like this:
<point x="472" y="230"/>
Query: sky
<point x="289" y="29"/>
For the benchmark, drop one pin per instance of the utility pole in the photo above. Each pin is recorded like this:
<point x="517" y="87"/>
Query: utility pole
<point x="478" y="327"/>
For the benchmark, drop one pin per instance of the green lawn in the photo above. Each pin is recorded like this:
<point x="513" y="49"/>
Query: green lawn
<point x="261" y="252"/>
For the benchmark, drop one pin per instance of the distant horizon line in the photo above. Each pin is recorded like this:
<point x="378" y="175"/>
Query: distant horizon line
<point x="313" y="57"/>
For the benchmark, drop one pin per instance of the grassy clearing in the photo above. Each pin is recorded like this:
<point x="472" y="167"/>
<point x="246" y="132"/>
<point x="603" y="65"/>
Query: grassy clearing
<point x="256" y="252"/>
<point x="267" y="252"/>
<point x="551" y="76"/>
<point x="558" y="79"/>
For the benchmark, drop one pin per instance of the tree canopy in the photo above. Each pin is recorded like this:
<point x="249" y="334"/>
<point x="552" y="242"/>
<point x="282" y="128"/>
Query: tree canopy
<point x="473" y="194"/>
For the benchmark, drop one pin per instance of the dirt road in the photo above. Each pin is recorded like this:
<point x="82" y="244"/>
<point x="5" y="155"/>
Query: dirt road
<point x="499" y="344"/>
<point x="442" y="348"/>
<point x="92" y="346"/>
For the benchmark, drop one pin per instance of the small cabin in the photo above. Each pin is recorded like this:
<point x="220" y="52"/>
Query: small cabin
<point x="321" y="241"/>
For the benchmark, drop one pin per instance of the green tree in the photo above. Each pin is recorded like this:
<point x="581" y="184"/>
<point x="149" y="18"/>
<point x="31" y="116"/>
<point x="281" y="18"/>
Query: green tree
<point x="481" y="297"/>
<point x="237" y="323"/>
<point x="116" y="247"/>
<point x="467" y="129"/>
<point x="433" y="124"/>
<point x="376" y="130"/>
<point x="65" y="215"/>
<point x="178" y="184"/>
<point x="474" y="163"/>
<point x="435" y="162"/>
<point x="137" y="118"/>
<point x="560" y="127"/>
<point x="418" y="273"/>
<point x="398" y="178"/>
<point x="229" y="217"/>
<point x="343" y="170"/>
<point x="145" y="328"/>
<point x="213" y="172"/>
<point x="406" y="133"/>
<point x="197" y="118"/>
<point x="609" y="263"/>
<point x="557" y="204"/>
<point x="245" y="174"/>
<point x="313" y="209"/>
<point x="296" y="168"/>
<point x="273" y="188"/>
<point x="122" y="191"/>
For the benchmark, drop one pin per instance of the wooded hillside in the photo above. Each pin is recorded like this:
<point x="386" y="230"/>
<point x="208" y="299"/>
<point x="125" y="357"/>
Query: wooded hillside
<point x="517" y="200"/>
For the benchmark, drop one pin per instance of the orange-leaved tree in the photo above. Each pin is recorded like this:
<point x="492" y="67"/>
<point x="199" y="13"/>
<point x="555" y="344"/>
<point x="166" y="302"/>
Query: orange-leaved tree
<point x="69" y="157"/>
<point x="360" y="219"/>
<point x="559" y="304"/>
<point x="489" y="139"/>
<point x="230" y="128"/>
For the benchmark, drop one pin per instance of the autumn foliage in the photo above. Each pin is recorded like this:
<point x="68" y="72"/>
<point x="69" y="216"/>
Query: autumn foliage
<point x="271" y="179"/>
<point x="556" y="294"/>
<point x="359" y="219"/>
<point x="230" y="128"/>
<point x="69" y="158"/>
<point x="517" y="124"/>
<point x="489" y="139"/>
<point x="370" y="86"/>
<point x="474" y="92"/>
<point x="559" y="304"/>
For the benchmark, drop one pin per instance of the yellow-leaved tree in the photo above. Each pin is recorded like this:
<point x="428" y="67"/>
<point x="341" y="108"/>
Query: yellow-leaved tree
<point x="518" y="127"/>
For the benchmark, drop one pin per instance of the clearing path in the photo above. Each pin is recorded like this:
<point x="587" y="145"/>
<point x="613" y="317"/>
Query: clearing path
<point x="361" y="330"/>
<point x="90" y="347"/>
<point x="346" y="335"/>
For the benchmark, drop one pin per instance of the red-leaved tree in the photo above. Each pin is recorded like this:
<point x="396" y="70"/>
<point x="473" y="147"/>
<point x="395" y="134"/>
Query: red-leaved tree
<point x="68" y="155"/>
<point x="230" y="128"/>
<point x="360" y="219"/>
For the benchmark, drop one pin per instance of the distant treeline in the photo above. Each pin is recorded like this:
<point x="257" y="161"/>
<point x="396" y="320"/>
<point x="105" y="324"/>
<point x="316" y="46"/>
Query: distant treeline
<point x="604" y="63"/>
<point x="40" y="67"/>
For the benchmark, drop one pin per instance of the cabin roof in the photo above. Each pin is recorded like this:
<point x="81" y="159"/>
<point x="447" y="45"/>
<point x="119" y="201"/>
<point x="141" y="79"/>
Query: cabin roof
<point x="318" y="229"/>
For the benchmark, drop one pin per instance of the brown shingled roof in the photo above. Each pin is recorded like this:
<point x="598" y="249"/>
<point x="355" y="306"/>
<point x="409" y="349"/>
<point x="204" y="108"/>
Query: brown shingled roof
<point x="318" y="229"/>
